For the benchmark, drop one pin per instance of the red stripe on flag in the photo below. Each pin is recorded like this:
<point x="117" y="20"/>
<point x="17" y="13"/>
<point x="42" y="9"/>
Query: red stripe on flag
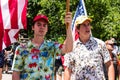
<point x="76" y="35"/>
<point x="1" y="29"/>
<point x="16" y="35"/>
<point x="13" y="13"/>
<point x="24" y="13"/>
<point x="6" y="37"/>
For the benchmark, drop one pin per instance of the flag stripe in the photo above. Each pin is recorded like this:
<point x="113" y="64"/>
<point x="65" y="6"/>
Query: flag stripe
<point x="1" y="29"/>
<point x="5" y="14"/>
<point x="13" y="13"/>
<point x="10" y="36"/>
<point x="14" y="35"/>
<point x="22" y="11"/>
<point x="6" y="37"/>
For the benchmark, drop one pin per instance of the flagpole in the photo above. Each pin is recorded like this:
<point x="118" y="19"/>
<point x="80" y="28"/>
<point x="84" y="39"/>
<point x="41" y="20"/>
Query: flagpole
<point x="67" y="5"/>
<point x="67" y="9"/>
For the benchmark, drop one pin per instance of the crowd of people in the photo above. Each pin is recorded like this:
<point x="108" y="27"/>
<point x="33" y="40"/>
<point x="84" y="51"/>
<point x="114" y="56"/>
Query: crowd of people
<point x="87" y="58"/>
<point x="6" y="59"/>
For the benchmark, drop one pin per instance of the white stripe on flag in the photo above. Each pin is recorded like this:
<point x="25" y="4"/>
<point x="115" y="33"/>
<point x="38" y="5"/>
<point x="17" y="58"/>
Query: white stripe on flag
<point x="5" y="14"/>
<point x="3" y="45"/>
<point x="21" y="4"/>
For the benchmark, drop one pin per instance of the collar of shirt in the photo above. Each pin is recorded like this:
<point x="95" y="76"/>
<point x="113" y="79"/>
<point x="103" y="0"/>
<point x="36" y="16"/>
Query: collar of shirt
<point x="92" y="43"/>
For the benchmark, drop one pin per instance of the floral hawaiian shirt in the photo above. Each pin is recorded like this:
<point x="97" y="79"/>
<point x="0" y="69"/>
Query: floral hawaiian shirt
<point x="86" y="60"/>
<point x="36" y="63"/>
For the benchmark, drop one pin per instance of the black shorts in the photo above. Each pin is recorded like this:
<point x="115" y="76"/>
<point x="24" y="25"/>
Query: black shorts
<point x="58" y="65"/>
<point x="1" y="59"/>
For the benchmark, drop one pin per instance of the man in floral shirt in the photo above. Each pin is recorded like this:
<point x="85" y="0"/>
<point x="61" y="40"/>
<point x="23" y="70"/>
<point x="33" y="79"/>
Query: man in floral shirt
<point x="35" y="61"/>
<point x="89" y="54"/>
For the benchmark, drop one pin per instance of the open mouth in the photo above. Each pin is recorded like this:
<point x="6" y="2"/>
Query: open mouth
<point x="88" y="31"/>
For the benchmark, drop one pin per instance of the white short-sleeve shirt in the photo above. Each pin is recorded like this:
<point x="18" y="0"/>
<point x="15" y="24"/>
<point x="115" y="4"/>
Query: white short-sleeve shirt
<point x="86" y="60"/>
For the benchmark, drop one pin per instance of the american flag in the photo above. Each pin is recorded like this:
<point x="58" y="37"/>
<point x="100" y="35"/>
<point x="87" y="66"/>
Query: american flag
<point x="12" y="19"/>
<point x="81" y="10"/>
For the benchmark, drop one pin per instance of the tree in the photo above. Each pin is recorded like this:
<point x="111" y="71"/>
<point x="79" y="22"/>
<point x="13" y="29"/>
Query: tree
<point x="105" y="15"/>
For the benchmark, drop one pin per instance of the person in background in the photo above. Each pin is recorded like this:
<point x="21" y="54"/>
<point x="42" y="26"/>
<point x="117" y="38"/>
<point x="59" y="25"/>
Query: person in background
<point x="35" y="60"/>
<point x="1" y="62"/>
<point x="58" y="67"/>
<point x="8" y="58"/>
<point x="86" y="60"/>
<point x="113" y="50"/>
<point x="118" y="66"/>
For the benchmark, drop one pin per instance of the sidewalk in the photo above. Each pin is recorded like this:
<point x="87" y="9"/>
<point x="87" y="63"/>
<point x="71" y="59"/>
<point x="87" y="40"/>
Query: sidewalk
<point x="6" y="76"/>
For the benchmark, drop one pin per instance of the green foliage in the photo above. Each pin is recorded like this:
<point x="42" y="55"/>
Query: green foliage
<point x="61" y="39"/>
<point x="106" y="20"/>
<point x="55" y="12"/>
<point x="105" y="15"/>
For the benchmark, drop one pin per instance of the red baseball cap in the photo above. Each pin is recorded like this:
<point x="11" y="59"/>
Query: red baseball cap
<point x="40" y="16"/>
